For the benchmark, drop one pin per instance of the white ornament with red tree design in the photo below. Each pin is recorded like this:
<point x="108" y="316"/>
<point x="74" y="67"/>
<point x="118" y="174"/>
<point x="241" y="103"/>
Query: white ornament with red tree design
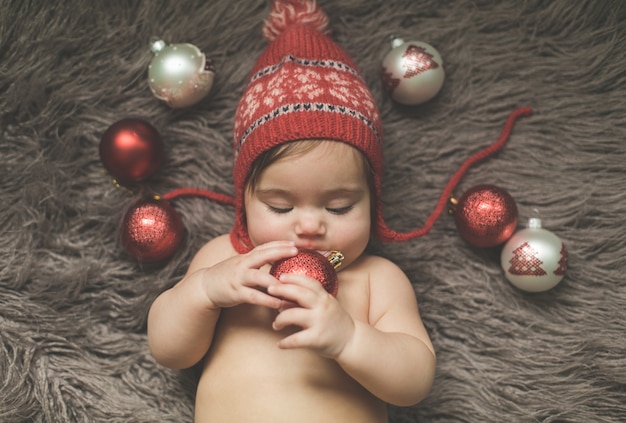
<point x="412" y="72"/>
<point x="534" y="259"/>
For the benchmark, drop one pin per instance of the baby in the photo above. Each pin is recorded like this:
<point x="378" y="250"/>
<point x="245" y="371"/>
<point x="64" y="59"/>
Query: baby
<point x="307" y="172"/>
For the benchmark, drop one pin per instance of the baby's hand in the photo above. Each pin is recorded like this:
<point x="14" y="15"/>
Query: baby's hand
<point x="240" y="280"/>
<point x="326" y="326"/>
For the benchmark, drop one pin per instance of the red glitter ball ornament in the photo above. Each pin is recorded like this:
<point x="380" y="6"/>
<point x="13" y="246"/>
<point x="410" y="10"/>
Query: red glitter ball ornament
<point x="152" y="230"/>
<point x="131" y="150"/>
<point x="313" y="264"/>
<point x="486" y="216"/>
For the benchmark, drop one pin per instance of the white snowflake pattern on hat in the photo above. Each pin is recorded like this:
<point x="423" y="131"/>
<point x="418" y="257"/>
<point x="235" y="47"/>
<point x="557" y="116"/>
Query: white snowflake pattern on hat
<point x="250" y="102"/>
<point x="309" y="88"/>
<point x="297" y="84"/>
<point x="348" y="91"/>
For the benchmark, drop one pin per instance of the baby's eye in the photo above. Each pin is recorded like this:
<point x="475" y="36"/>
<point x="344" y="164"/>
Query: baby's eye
<point x="339" y="210"/>
<point x="279" y="210"/>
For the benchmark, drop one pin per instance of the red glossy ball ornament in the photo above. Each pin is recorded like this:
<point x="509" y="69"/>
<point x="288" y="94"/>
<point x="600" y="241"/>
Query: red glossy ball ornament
<point x="313" y="264"/>
<point x="152" y="230"/>
<point x="131" y="150"/>
<point x="486" y="216"/>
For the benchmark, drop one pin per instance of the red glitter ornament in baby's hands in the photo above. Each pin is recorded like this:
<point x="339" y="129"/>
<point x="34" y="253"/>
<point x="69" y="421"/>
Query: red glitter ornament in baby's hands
<point x="313" y="264"/>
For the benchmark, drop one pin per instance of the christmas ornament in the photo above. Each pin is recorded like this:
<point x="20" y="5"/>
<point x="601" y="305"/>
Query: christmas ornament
<point x="131" y="150"/>
<point x="534" y="259"/>
<point x="412" y="72"/>
<point x="151" y="230"/>
<point x="485" y="215"/>
<point x="179" y="74"/>
<point x="313" y="264"/>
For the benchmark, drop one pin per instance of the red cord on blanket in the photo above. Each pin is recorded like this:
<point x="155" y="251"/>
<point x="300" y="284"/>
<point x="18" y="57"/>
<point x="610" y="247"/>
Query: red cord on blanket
<point x="196" y="192"/>
<point x="391" y="235"/>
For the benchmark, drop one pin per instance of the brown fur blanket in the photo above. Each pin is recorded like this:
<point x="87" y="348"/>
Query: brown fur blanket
<point x="73" y="305"/>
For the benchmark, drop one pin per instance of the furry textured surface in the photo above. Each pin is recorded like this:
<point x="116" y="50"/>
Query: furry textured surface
<point x="73" y="305"/>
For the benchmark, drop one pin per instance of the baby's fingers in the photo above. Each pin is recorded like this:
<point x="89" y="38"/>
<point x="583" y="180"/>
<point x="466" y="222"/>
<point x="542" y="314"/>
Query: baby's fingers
<point x="255" y="289"/>
<point x="292" y="316"/>
<point x="269" y="253"/>
<point x="300" y="339"/>
<point x="258" y="297"/>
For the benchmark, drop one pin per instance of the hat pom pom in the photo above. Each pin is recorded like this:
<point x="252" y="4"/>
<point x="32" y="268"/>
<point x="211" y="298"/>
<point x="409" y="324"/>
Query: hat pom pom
<point x="288" y="12"/>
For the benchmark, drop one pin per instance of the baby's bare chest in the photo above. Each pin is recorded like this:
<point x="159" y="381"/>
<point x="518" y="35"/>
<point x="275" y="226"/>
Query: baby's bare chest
<point x="246" y="368"/>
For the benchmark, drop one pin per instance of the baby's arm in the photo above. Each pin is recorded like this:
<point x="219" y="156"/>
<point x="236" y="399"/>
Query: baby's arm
<point x="182" y="320"/>
<point x="392" y="356"/>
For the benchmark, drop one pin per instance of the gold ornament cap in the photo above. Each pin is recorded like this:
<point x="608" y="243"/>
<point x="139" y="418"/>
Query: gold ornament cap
<point x="335" y="258"/>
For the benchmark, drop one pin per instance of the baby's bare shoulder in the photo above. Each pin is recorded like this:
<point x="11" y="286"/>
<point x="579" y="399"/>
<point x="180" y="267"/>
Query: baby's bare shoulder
<point x="386" y="279"/>
<point x="216" y="250"/>
<point x="393" y="304"/>
<point x="378" y="267"/>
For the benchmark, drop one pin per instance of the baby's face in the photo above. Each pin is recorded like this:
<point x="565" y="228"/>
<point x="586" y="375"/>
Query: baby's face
<point x="319" y="200"/>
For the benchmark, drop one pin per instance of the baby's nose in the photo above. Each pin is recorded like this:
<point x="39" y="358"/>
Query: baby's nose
<point x="310" y="223"/>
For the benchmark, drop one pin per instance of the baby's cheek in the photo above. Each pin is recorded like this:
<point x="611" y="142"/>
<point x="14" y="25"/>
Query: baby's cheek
<point x="263" y="230"/>
<point x="353" y="239"/>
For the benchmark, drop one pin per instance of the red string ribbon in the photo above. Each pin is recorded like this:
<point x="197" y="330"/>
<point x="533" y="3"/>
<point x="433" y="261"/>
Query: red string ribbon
<point x="196" y="192"/>
<point x="392" y="235"/>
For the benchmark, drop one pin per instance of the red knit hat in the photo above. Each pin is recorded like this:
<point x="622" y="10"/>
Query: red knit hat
<point x="304" y="86"/>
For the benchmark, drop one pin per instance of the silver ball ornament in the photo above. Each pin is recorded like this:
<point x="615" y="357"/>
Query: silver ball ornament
<point x="412" y="72"/>
<point x="534" y="259"/>
<point x="179" y="74"/>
